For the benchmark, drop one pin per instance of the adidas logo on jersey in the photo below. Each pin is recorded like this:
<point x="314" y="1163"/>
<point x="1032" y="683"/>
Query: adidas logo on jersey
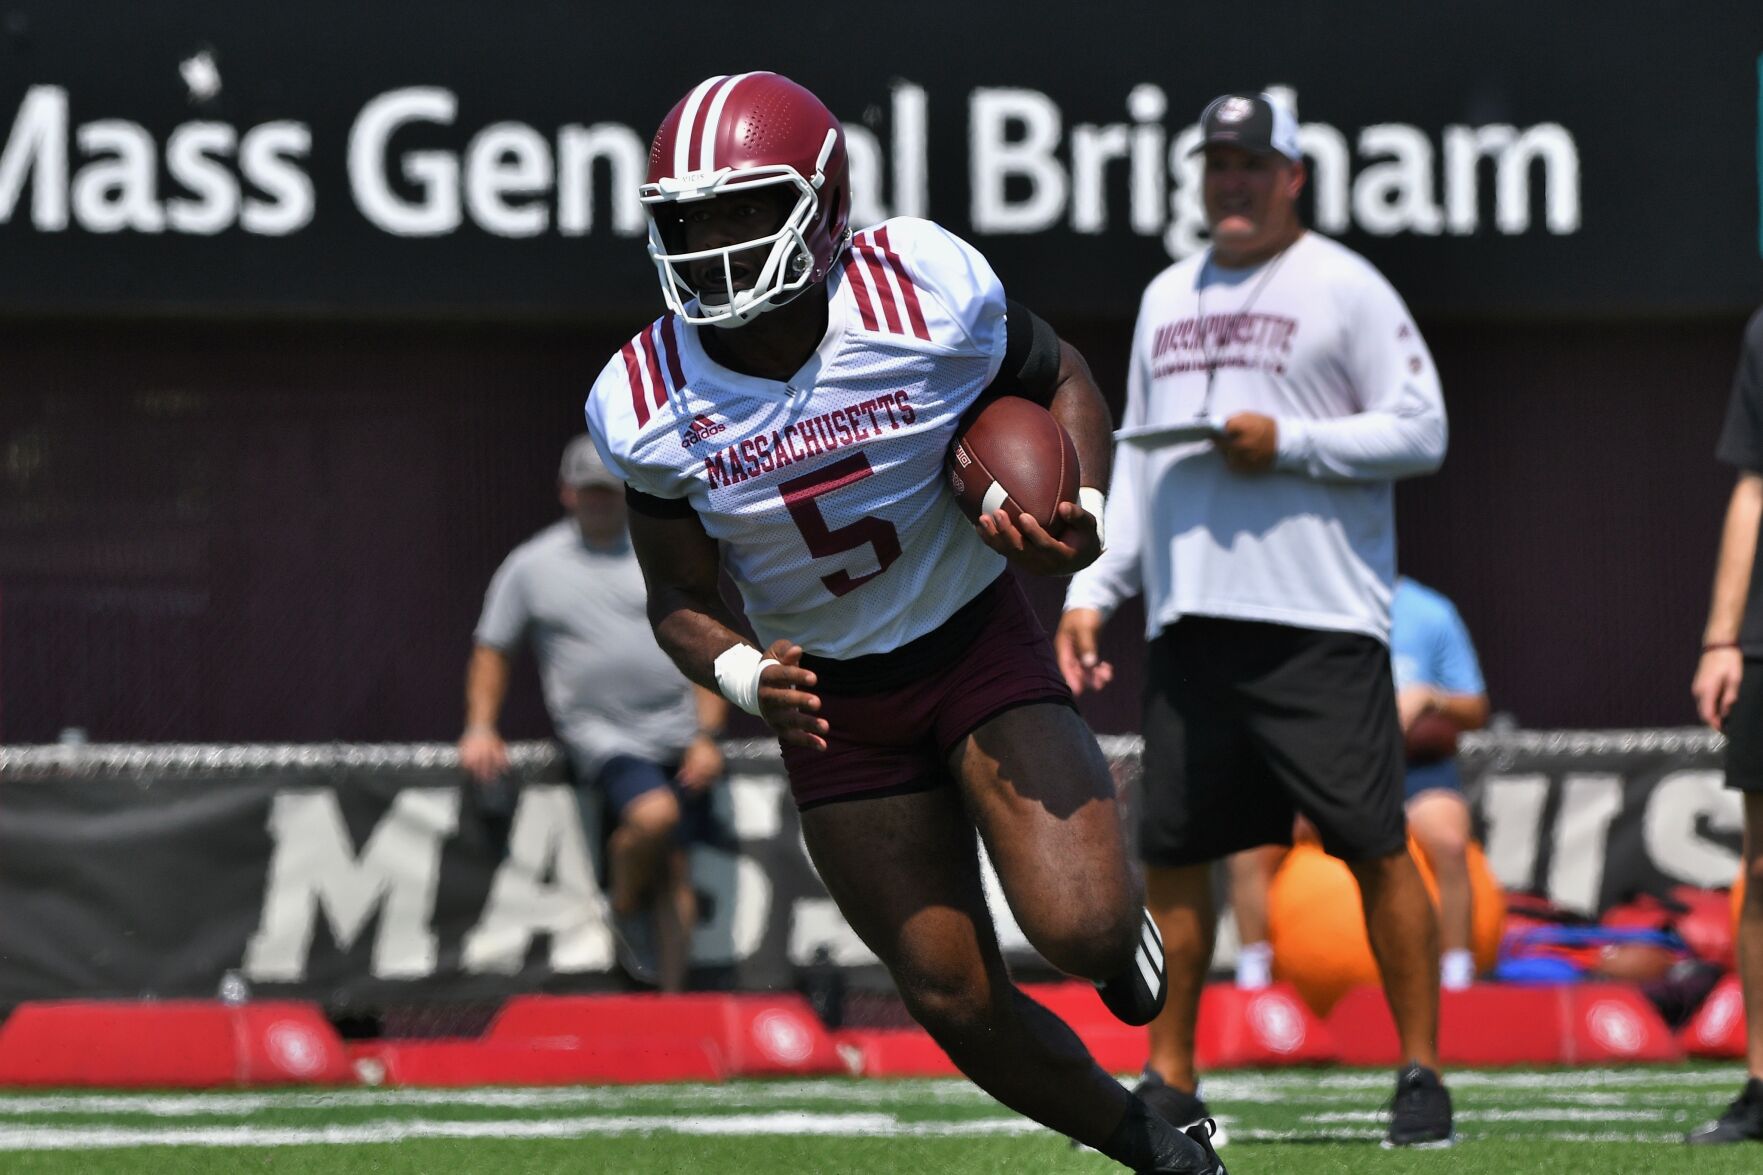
<point x="702" y="426"/>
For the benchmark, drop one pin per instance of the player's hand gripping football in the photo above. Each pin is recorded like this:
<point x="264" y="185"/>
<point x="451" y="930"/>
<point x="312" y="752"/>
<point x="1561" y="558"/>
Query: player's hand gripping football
<point x="1027" y="544"/>
<point x="786" y="700"/>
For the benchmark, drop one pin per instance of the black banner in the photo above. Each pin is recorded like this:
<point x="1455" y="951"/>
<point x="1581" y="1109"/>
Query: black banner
<point x="365" y="876"/>
<point x="452" y="157"/>
<point x="1591" y="819"/>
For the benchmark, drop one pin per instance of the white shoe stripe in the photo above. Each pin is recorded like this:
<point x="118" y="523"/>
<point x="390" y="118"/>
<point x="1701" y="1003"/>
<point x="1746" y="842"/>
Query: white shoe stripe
<point x="1148" y="973"/>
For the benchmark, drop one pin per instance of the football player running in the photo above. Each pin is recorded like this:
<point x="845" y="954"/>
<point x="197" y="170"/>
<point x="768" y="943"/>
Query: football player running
<point x="788" y="420"/>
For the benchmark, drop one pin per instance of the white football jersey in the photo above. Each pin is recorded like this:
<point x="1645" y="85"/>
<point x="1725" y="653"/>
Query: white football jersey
<point x="827" y="491"/>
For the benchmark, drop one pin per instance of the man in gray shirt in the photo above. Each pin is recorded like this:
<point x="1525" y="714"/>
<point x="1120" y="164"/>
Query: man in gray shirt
<point x="634" y="728"/>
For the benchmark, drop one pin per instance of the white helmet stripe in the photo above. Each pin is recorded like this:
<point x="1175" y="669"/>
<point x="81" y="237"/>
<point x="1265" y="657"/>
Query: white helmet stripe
<point x="707" y="145"/>
<point x="682" y="140"/>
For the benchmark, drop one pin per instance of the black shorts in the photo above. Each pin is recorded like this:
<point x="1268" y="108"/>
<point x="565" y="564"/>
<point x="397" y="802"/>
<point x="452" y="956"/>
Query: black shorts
<point x="1247" y="723"/>
<point x="1744" y="732"/>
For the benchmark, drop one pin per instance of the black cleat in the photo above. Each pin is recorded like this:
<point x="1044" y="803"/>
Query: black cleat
<point x="1177" y="1107"/>
<point x="1136" y="995"/>
<point x="1201" y="1159"/>
<point x="1742" y="1121"/>
<point x="1420" y="1114"/>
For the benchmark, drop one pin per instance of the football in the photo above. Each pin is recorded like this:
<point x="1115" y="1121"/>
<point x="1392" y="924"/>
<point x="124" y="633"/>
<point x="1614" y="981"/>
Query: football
<point x="1432" y="737"/>
<point x="1013" y="454"/>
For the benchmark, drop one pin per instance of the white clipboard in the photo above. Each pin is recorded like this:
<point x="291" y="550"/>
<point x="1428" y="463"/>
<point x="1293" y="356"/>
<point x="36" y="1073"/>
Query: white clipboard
<point x="1149" y="436"/>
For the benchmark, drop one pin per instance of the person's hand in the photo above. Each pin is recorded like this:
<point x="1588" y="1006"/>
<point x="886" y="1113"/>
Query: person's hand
<point x="483" y="754"/>
<point x="701" y="765"/>
<point x="1250" y="442"/>
<point x="1413" y="701"/>
<point x="1027" y="544"/>
<point x="1717" y="684"/>
<point x="787" y="701"/>
<point x="1080" y="630"/>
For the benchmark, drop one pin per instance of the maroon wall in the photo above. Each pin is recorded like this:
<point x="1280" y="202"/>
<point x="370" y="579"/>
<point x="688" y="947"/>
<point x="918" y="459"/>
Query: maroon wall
<point x="269" y="532"/>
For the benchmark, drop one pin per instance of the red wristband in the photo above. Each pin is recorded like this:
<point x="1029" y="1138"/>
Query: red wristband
<point x="1713" y="645"/>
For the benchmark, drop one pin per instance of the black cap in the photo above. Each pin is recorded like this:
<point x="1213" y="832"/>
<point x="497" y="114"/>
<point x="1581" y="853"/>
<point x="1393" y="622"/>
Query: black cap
<point x="1253" y="122"/>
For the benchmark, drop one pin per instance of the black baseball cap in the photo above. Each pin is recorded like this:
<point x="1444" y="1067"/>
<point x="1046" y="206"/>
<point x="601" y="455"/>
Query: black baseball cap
<point x="1253" y="122"/>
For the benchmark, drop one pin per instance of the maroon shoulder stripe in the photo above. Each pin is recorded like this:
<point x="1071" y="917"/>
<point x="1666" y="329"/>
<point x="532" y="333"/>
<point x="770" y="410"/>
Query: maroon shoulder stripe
<point x="878" y="273"/>
<point x="908" y="291"/>
<point x="633" y="372"/>
<point x="657" y="385"/>
<point x="854" y="279"/>
<point x="670" y="347"/>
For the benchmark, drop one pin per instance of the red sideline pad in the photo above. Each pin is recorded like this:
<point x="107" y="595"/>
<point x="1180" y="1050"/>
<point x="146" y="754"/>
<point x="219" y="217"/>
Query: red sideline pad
<point x="479" y="1062"/>
<point x="1492" y="1024"/>
<point x="1237" y="1029"/>
<point x="179" y="1043"/>
<point x="893" y="1052"/>
<point x="1253" y="1029"/>
<point x="745" y="1035"/>
<point x="1718" y="1027"/>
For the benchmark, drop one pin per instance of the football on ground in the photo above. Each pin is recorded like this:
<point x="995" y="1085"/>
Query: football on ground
<point x="1013" y="455"/>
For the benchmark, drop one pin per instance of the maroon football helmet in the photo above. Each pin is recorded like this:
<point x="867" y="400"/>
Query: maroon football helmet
<point x="733" y="133"/>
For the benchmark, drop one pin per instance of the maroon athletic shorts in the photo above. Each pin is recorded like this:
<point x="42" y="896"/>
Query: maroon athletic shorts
<point x="894" y="717"/>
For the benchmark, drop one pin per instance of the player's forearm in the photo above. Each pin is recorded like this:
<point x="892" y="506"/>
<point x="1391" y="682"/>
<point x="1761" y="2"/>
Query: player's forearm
<point x="486" y="687"/>
<point x="1078" y="404"/>
<point x="693" y="627"/>
<point x="1738" y="552"/>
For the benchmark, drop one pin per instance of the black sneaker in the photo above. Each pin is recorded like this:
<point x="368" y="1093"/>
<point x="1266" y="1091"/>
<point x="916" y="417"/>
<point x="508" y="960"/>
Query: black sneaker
<point x="1202" y="1132"/>
<point x="1420" y="1113"/>
<point x="1742" y="1122"/>
<point x="1178" y="1107"/>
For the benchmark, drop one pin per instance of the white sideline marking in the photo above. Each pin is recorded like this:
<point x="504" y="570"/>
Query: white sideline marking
<point x="1562" y="1114"/>
<point x="607" y="1097"/>
<point x="1593" y="1087"/>
<point x="63" y="1138"/>
<point x="1674" y="1139"/>
<point x="1257" y="1085"/>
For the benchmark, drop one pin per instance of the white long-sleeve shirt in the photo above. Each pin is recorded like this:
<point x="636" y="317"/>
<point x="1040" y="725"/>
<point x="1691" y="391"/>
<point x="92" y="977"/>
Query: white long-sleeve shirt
<point x="1319" y="341"/>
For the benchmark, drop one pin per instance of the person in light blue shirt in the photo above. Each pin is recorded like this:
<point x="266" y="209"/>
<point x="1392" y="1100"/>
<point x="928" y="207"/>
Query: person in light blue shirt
<point x="1437" y="673"/>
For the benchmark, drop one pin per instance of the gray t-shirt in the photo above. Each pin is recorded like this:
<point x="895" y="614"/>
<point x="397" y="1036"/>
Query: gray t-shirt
<point x="609" y="687"/>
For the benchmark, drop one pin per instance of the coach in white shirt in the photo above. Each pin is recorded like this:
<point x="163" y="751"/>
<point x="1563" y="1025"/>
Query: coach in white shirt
<point x="1277" y="389"/>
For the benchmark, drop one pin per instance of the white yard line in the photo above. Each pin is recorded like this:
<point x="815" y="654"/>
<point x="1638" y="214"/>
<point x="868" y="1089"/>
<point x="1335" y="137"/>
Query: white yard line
<point x="1562" y="1114"/>
<point x="66" y="1138"/>
<point x="1584" y="1087"/>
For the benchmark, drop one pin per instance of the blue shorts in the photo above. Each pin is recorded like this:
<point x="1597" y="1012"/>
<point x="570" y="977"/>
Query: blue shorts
<point x="625" y="778"/>
<point x="1440" y="776"/>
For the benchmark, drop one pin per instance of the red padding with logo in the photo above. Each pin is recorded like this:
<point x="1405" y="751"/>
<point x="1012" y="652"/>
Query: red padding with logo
<point x="1615" y="1022"/>
<point x="1717" y="1030"/>
<point x="488" y="1062"/>
<point x="1493" y="1024"/>
<point x="175" y="1043"/>
<point x="749" y="1035"/>
<point x="1242" y="1029"/>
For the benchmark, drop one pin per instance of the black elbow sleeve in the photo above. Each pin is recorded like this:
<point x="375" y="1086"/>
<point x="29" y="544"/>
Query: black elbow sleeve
<point x="1031" y="356"/>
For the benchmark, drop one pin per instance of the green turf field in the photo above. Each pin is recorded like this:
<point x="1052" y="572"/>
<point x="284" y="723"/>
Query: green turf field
<point x="1613" y="1121"/>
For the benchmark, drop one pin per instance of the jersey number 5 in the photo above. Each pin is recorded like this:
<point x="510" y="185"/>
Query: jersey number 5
<point x="799" y="497"/>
